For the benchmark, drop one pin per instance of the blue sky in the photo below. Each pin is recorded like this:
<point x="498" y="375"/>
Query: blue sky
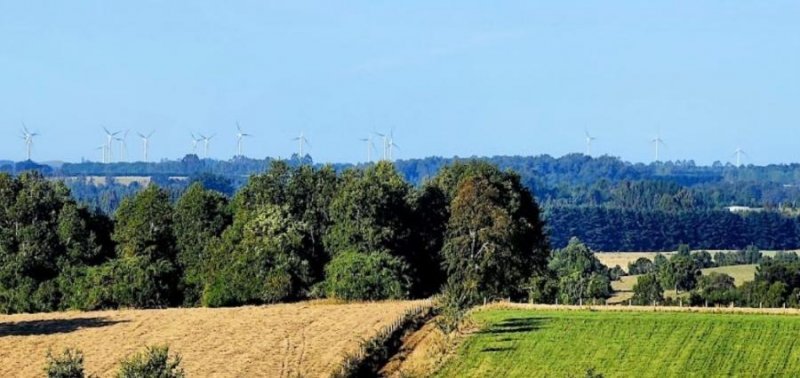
<point x="451" y="77"/>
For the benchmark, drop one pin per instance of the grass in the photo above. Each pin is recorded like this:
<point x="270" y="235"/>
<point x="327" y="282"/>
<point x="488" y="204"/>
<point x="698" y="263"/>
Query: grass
<point x="539" y="343"/>
<point x="299" y="339"/>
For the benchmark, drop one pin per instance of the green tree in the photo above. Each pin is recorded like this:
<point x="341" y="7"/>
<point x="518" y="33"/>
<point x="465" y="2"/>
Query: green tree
<point x="581" y="275"/>
<point x="259" y="259"/>
<point x="493" y="246"/>
<point x="146" y="246"/>
<point x="371" y="212"/>
<point x="200" y="215"/>
<point x="366" y="276"/>
<point x="647" y="290"/>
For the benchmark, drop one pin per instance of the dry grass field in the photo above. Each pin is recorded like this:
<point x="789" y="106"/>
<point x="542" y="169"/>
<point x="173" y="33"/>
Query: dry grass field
<point x="611" y="259"/>
<point x="287" y="340"/>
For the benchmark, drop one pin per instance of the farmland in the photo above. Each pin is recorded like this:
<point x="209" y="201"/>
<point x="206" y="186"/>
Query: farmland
<point x="520" y="342"/>
<point x="308" y="338"/>
<point x="623" y="289"/>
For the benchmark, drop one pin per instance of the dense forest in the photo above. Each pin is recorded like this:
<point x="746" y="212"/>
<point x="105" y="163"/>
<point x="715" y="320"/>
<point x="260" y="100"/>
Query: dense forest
<point x="610" y="204"/>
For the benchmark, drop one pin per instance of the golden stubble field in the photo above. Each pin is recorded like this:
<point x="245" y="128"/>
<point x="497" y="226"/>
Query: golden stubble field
<point x="285" y="340"/>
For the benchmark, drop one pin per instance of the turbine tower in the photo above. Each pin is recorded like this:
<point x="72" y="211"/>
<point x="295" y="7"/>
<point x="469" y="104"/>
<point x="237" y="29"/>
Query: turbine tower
<point x="195" y="141"/>
<point x="123" y="146"/>
<point x="738" y="153"/>
<point x="27" y="136"/>
<point x="658" y="142"/>
<point x="301" y="140"/>
<point x="370" y="147"/>
<point x="240" y="135"/>
<point x="102" y="148"/>
<point x="109" y="141"/>
<point x="392" y="146"/>
<point x="146" y="143"/>
<point x="385" y="145"/>
<point x="589" y="140"/>
<point x="206" y="142"/>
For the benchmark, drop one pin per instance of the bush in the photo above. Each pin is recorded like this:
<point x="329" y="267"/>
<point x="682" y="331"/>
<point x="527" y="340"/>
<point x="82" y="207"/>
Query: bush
<point x="366" y="276"/>
<point x="155" y="362"/>
<point x="68" y="365"/>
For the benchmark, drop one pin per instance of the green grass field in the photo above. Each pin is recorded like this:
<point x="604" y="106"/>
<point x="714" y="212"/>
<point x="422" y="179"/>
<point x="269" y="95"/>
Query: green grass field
<point x="536" y="343"/>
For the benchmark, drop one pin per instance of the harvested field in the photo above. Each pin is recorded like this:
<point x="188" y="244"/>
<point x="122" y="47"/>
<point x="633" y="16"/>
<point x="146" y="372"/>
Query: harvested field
<point x="301" y="339"/>
<point x="611" y="259"/>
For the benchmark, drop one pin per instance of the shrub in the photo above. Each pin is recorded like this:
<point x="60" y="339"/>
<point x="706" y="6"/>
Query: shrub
<point x="366" y="276"/>
<point x="68" y="365"/>
<point x="155" y="362"/>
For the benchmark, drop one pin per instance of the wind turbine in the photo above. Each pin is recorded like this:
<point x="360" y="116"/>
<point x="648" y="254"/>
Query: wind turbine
<point x="385" y="145"/>
<point x="658" y="142"/>
<point x="109" y="140"/>
<point x="370" y="147"/>
<point x="302" y="141"/>
<point x="240" y="135"/>
<point x="195" y="141"/>
<point x="27" y="136"/>
<point x="102" y="148"/>
<point x="738" y="153"/>
<point x="206" y="142"/>
<point x="146" y="143"/>
<point x="123" y="146"/>
<point x="589" y="140"/>
<point x="391" y="145"/>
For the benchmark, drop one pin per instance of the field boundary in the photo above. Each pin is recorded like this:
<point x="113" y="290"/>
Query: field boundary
<point x="618" y="308"/>
<point x="375" y="353"/>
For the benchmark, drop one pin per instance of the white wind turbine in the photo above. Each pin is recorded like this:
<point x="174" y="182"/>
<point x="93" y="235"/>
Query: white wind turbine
<point x="589" y="140"/>
<point x="109" y="142"/>
<point x="370" y="147"/>
<point x="146" y="143"/>
<point x="658" y="142"/>
<point x="240" y="135"/>
<point x="391" y="145"/>
<point x="385" y="145"/>
<point x="195" y="141"/>
<point x="302" y="141"/>
<point x="738" y="153"/>
<point x="123" y="146"/>
<point x="102" y="148"/>
<point x="206" y="143"/>
<point x="27" y="136"/>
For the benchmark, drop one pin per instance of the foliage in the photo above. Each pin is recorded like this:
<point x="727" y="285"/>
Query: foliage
<point x="200" y="215"/>
<point x="259" y="259"/>
<point x="154" y="362"/>
<point x="642" y="265"/>
<point x="581" y="275"/>
<point x="647" y="290"/>
<point x="366" y="276"/>
<point x="45" y="237"/>
<point x="68" y="365"/>
<point x="495" y="239"/>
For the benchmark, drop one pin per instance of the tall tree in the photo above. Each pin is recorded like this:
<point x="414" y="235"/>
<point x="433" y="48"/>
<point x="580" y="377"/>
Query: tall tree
<point x="200" y="215"/>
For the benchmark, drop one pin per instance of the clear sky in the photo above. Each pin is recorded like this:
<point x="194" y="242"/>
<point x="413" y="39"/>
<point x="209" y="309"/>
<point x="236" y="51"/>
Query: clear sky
<point x="451" y="77"/>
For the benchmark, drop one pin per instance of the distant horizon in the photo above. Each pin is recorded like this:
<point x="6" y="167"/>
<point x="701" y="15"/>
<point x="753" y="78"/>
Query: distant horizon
<point x="232" y="158"/>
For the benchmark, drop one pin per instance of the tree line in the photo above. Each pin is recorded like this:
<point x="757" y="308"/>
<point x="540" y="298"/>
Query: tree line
<point x="292" y="233"/>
